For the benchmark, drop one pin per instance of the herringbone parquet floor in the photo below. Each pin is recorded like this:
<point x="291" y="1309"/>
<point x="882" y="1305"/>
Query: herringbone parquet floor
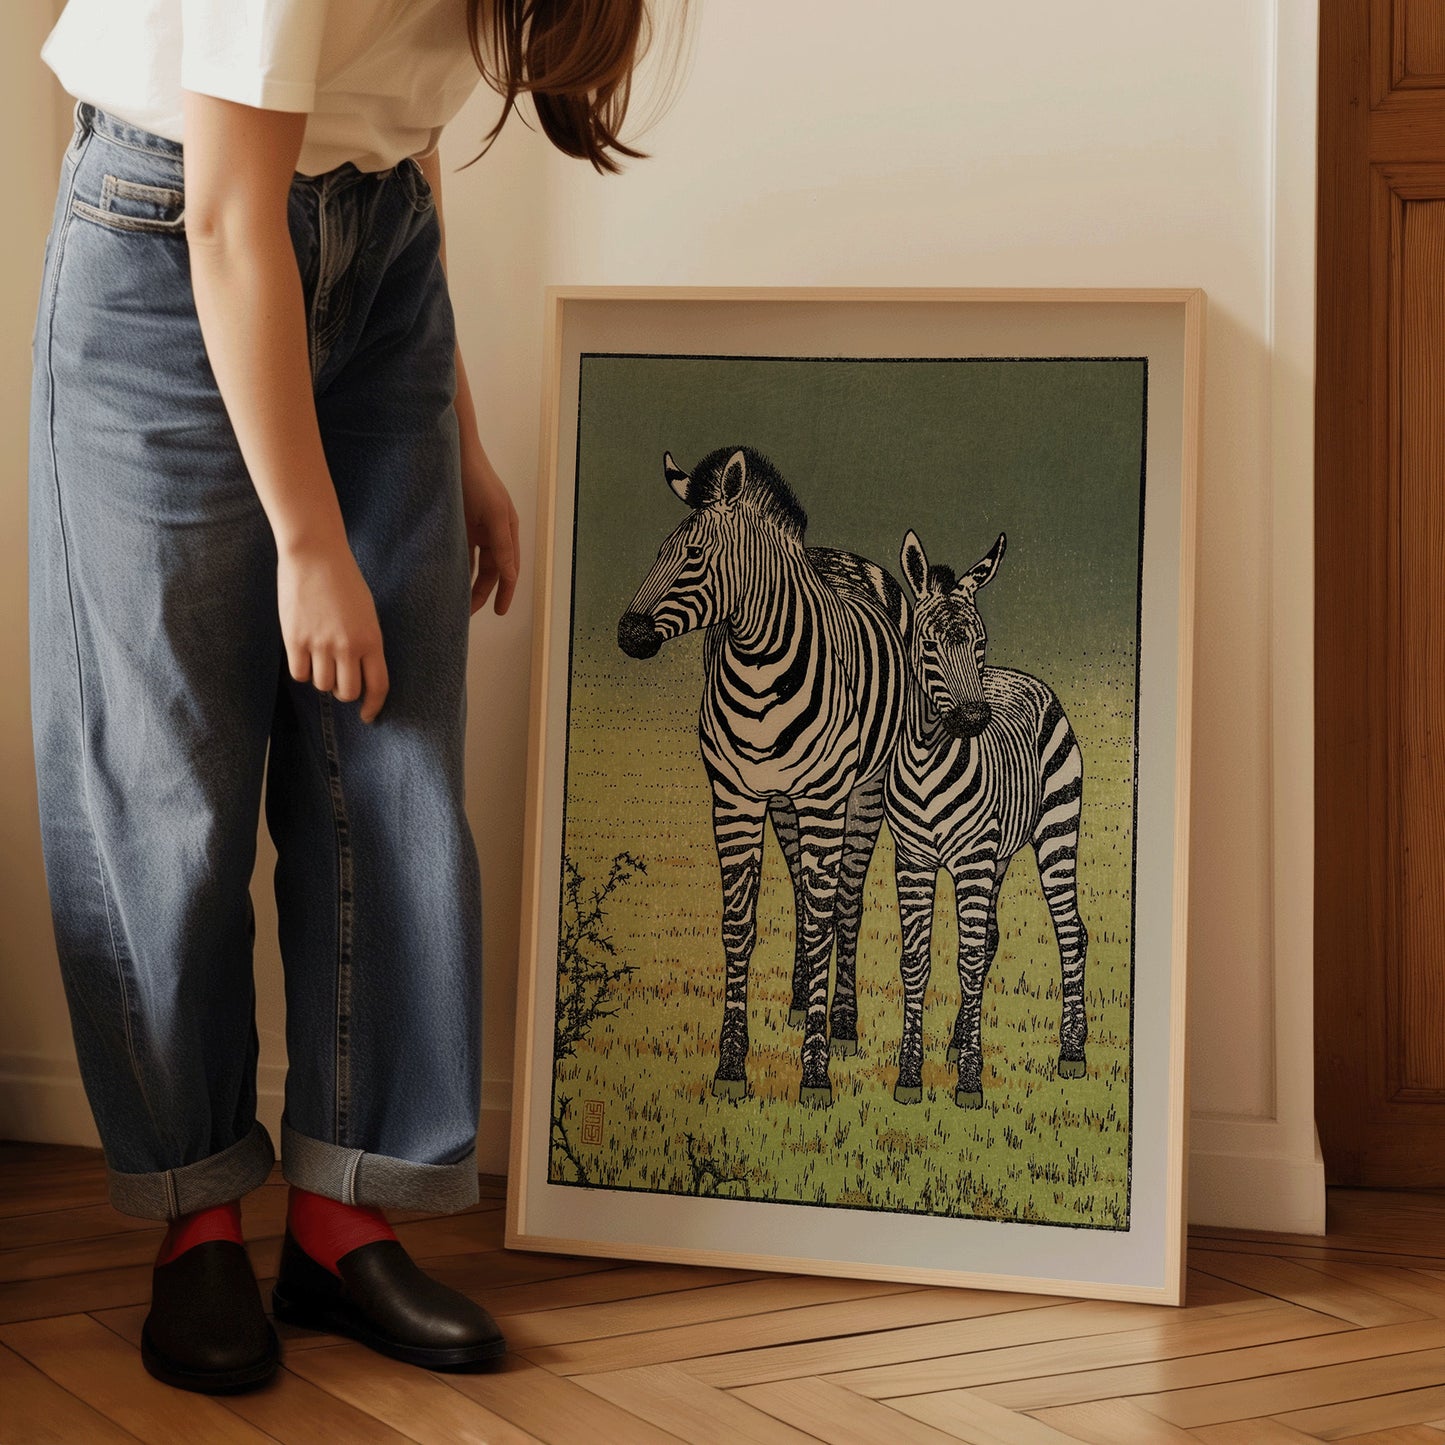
<point x="1283" y="1338"/>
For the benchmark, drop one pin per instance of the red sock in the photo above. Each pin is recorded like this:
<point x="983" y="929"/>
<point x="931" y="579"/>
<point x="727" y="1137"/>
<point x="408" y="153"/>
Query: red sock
<point x="326" y="1228"/>
<point x="220" y="1221"/>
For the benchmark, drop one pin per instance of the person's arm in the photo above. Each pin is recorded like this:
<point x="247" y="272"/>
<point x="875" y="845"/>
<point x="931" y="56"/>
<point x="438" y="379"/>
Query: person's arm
<point x="491" y="517"/>
<point x="239" y="163"/>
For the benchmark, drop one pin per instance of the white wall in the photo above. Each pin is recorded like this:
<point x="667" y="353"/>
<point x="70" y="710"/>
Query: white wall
<point x="1119" y="143"/>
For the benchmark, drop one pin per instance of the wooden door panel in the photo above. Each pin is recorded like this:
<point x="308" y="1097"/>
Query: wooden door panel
<point x="1416" y="587"/>
<point x="1412" y="37"/>
<point x="1380" y="594"/>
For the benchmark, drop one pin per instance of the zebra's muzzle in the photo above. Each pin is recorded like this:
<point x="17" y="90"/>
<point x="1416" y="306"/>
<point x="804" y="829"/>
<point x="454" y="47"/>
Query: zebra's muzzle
<point x="637" y="635"/>
<point x="968" y="719"/>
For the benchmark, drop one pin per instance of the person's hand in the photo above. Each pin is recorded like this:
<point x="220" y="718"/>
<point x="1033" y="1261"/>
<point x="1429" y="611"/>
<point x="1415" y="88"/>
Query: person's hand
<point x="491" y="530"/>
<point x="329" y="624"/>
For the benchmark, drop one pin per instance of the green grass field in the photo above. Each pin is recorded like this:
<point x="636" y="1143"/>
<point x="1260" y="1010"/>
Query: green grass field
<point x="1041" y="1148"/>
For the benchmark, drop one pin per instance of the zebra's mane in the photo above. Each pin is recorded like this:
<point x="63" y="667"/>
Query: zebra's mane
<point x="765" y="487"/>
<point x="948" y="620"/>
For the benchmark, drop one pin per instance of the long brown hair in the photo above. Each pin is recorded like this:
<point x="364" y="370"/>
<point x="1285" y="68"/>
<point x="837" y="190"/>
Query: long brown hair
<point x="576" y="59"/>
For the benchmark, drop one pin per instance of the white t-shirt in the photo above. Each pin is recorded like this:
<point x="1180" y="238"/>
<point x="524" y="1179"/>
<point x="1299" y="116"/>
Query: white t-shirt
<point x="379" y="78"/>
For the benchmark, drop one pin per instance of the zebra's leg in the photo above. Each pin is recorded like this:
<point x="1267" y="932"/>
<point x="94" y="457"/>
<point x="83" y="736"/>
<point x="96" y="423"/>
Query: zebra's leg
<point x="974" y="876"/>
<point x="738" y="832"/>
<point x="860" y="834"/>
<point x="916" y="881"/>
<point x="991" y="944"/>
<point x="785" y="825"/>
<point x="1056" y="846"/>
<point x="820" y="832"/>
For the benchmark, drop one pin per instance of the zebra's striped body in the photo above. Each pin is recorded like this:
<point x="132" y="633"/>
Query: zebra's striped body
<point x="801" y="707"/>
<point x="985" y="765"/>
<point x="867" y="587"/>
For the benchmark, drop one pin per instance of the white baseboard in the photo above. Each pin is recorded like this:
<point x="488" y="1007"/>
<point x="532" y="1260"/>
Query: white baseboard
<point x="1278" y="1193"/>
<point x="42" y="1102"/>
<point x="1232" y="1184"/>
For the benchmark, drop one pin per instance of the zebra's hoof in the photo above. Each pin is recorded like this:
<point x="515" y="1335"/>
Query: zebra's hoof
<point x="843" y="1048"/>
<point x="953" y="1053"/>
<point x="816" y="1096"/>
<point x="968" y="1098"/>
<point x="729" y="1088"/>
<point x="1072" y="1068"/>
<point x="908" y="1093"/>
<point x="797" y="1017"/>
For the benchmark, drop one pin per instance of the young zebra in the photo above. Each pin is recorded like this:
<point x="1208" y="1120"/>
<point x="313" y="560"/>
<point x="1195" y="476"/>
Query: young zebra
<point x="802" y="701"/>
<point x="986" y="762"/>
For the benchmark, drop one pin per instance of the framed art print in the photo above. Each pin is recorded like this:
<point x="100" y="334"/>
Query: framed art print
<point x="858" y="787"/>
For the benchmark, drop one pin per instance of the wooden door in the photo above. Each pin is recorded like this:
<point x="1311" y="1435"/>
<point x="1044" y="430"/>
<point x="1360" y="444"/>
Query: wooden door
<point x="1380" y="594"/>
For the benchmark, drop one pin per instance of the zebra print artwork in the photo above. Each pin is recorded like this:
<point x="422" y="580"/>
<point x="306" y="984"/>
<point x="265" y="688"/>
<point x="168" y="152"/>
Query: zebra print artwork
<point x="802" y="700"/>
<point x="986" y="764"/>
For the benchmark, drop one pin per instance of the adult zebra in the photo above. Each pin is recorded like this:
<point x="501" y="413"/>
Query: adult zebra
<point x="802" y="701"/>
<point x="986" y="762"/>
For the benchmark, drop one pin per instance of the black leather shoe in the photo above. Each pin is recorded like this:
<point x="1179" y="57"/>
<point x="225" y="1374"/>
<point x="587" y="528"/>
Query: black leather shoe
<point x="385" y="1300"/>
<point x="207" y="1328"/>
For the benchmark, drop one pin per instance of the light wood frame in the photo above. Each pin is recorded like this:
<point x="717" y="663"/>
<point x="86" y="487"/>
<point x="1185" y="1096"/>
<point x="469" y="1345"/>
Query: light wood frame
<point x="1186" y="308"/>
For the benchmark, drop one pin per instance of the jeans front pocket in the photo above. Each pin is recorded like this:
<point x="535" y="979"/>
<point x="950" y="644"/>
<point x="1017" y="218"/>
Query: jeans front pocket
<point x="129" y="205"/>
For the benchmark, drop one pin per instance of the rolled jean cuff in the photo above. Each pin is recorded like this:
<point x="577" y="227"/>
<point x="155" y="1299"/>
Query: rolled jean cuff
<point x="357" y="1176"/>
<point x="169" y="1193"/>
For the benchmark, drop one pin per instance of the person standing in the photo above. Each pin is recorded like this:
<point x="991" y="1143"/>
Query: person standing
<point x="256" y="487"/>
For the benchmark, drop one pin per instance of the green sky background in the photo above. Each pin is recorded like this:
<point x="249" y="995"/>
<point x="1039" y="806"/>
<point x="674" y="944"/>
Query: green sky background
<point x="1047" y="451"/>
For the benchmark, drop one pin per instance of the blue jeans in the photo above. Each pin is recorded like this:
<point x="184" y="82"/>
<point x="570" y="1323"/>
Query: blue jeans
<point x="159" y="680"/>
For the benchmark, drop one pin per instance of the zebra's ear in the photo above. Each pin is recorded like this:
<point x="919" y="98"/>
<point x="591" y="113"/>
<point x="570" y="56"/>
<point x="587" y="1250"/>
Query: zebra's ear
<point x="915" y="564"/>
<point x="733" y="476"/>
<point x="677" y="479"/>
<point x="983" y="571"/>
